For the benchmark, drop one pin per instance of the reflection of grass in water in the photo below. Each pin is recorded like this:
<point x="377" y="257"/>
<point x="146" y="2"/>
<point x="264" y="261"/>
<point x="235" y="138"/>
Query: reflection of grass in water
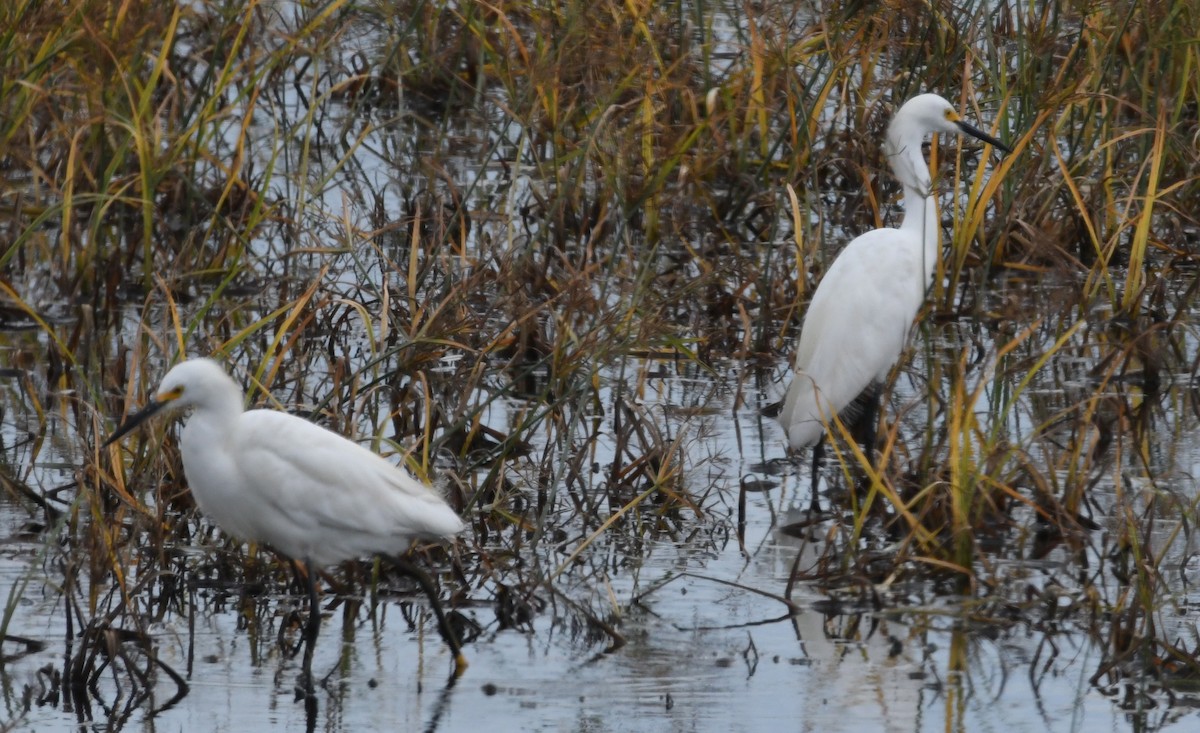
<point x="458" y="235"/>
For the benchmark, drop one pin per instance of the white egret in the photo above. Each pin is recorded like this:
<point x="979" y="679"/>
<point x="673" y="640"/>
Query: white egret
<point x="859" y="319"/>
<point x="270" y="477"/>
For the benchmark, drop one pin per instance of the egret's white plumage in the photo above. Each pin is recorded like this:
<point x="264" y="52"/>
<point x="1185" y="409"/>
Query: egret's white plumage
<point x="267" y="476"/>
<point x="270" y="477"/>
<point x="859" y="319"/>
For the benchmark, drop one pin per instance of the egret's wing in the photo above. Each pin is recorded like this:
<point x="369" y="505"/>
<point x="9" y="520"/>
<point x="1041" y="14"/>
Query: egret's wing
<point x="855" y="329"/>
<point x="320" y="480"/>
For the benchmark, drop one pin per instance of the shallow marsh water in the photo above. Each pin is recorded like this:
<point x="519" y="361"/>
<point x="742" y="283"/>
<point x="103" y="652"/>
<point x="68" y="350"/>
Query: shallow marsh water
<point x="709" y="645"/>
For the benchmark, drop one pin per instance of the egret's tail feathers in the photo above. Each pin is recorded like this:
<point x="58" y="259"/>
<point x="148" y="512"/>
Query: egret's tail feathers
<point x="806" y="413"/>
<point x="438" y="520"/>
<point x="801" y="415"/>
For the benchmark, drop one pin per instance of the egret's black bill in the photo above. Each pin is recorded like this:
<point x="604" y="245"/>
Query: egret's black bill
<point x="975" y="132"/>
<point x="135" y="420"/>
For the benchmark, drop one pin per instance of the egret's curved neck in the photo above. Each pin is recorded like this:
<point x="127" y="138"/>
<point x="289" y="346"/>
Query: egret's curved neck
<point x="920" y="207"/>
<point x="232" y="403"/>
<point x="220" y="412"/>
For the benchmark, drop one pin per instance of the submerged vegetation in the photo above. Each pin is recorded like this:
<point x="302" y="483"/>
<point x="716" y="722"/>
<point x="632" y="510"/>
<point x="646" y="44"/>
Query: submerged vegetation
<point x="488" y="238"/>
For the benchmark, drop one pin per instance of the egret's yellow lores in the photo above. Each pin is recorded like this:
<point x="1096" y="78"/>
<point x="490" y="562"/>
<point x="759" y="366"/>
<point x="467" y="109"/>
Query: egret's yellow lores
<point x="270" y="477"/>
<point x="859" y="319"/>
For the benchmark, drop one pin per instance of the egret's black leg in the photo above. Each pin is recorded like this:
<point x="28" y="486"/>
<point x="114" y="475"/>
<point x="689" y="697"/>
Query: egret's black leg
<point x="814" y="507"/>
<point x="860" y="418"/>
<point x="447" y="632"/>
<point x="311" y="630"/>
<point x="864" y="419"/>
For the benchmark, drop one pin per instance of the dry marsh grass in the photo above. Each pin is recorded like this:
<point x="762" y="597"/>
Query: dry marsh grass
<point x="485" y="236"/>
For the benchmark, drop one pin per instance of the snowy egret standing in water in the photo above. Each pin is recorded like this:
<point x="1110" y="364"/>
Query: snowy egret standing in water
<point x="860" y="315"/>
<point x="270" y="477"/>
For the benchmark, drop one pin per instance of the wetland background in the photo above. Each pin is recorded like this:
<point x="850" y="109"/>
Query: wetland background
<point x="554" y="257"/>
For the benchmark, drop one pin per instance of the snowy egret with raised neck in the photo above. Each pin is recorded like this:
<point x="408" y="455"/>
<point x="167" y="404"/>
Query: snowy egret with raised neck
<point x="269" y="477"/>
<point x="860" y="316"/>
